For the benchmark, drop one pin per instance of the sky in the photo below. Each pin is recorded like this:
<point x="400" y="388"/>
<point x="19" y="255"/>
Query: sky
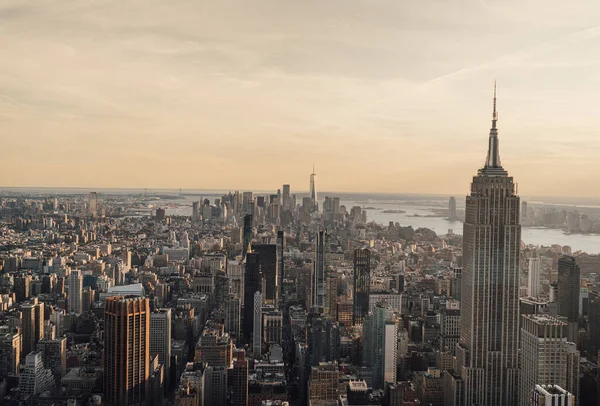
<point x="381" y="95"/>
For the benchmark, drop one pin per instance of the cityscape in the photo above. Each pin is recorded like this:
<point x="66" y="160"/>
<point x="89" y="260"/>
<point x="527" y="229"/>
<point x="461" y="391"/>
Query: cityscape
<point x="284" y="299"/>
<point x="298" y="203"/>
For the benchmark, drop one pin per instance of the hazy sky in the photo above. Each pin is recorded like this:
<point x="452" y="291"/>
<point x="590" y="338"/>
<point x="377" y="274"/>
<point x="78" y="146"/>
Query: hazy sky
<point x="387" y="95"/>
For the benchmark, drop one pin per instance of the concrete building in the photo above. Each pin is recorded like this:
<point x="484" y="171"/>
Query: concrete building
<point x="551" y="395"/>
<point x="75" y="292"/>
<point x="35" y="379"/>
<point x="257" y="327"/>
<point x="569" y="288"/>
<point x="324" y="382"/>
<point x="160" y="339"/>
<point x="126" y="351"/>
<point x="54" y="356"/>
<point x="272" y="328"/>
<point x="533" y="285"/>
<point x="319" y="274"/>
<point x="362" y="285"/>
<point x="10" y="348"/>
<point x="488" y="351"/>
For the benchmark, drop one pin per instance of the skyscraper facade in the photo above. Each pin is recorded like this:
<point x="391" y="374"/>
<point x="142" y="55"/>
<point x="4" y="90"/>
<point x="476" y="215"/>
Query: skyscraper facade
<point x="452" y="208"/>
<point x="313" y="190"/>
<point x="252" y="284"/>
<point x="380" y="337"/>
<point x="362" y="285"/>
<point x="238" y="379"/>
<point x="160" y="339"/>
<point x="75" y="292"/>
<point x="126" y="351"/>
<point x="533" y="285"/>
<point x="488" y="349"/>
<point x="319" y="277"/>
<point x="246" y="234"/>
<point x="569" y="281"/>
<point x="257" y="325"/>
<point x="280" y="264"/>
<point x="269" y="268"/>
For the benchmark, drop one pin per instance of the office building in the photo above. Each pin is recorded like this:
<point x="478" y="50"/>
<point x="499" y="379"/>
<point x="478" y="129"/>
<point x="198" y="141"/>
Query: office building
<point x="257" y="325"/>
<point x="215" y="386"/>
<point x="253" y="282"/>
<point x="313" y="191"/>
<point x="452" y="209"/>
<point x="324" y="384"/>
<point x="272" y="328"/>
<point x="196" y="211"/>
<point x="126" y="351"/>
<point x="450" y="326"/>
<point x="214" y="347"/>
<point x="380" y="346"/>
<point x="238" y="379"/>
<point x="35" y="379"/>
<point x="22" y="286"/>
<point x="280" y="265"/>
<point x="10" y="348"/>
<point x="319" y="275"/>
<point x="75" y="292"/>
<point x="551" y="395"/>
<point x="569" y="287"/>
<point x="232" y="317"/>
<point x="488" y="351"/>
<point x="286" y="197"/>
<point x="160" y="339"/>
<point x="32" y="325"/>
<point x="93" y="204"/>
<point x="246" y="234"/>
<point x="269" y="268"/>
<point x="546" y="357"/>
<point x="362" y="285"/>
<point x="54" y="356"/>
<point x="533" y="286"/>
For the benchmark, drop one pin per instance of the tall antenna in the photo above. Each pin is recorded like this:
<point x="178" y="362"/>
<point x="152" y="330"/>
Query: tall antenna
<point x="495" y="113"/>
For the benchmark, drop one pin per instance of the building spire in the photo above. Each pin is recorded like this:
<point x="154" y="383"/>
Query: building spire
<point x="493" y="156"/>
<point x="495" y="113"/>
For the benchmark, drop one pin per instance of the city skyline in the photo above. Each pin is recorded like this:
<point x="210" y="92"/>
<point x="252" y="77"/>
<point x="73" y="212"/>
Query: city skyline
<point x="212" y="83"/>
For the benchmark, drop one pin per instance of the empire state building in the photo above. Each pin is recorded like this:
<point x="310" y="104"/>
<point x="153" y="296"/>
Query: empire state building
<point x="487" y="352"/>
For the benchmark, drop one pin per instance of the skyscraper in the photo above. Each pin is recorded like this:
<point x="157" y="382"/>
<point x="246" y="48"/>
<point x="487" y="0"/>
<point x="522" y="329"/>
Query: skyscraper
<point x="286" y="201"/>
<point x="35" y="379"/>
<point x="362" y="285"/>
<point x="247" y="234"/>
<point x="280" y="264"/>
<point x="380" y="346"/>
<point x="160" y="339"/>
<point x="93" y="204"/>
<point x="551" y="395"/>
<point x="257" y="326"/>
<point x="54" y="356"/>
<point x="313" y="190"/>
<point x="533" y="285"/>
<point x="569" y="280"/>
<point x="232" y="316"/>
<point x="196" y="211"/>
<point x="452" y="208"/>
<point x="319" y="277"/>
<point x="126" y="351"/>
<point x="252" y="284"/>
<point x="545" y="356"/>
<point x="488" y="347"/>
<point x="32" y="325"/>
<point x="269" y="268"/>
<point x="10" y="348"/>
<point x="238" y="379"/>
<point x="75" y="292"/>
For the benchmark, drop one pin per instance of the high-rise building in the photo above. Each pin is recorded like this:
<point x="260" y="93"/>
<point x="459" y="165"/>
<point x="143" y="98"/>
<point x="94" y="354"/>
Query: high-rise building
<point x="488" y="349"/>
<point x="269" y="268"/>
<point x="232" y="316"/>
<point x="313" y="190"/>
<point x="214" y="347"/>
<point x="253" y="281"/>
<point x="551" y="395"/>
<point x="319" y="277"/>
<point x="10" y="348"/>
<point x="450" y="326"/>
<point x="22" y="287"/>
<point x="523" y="211"/>
<point x="286" y="197"/>
<point x="238" y="379"/>
<point x="546" y="357"/>
<point x="247" y="234"/>
<point x="452" y="208"/>
<point x="324" y="382"/>
<point x="257" y="325"/>
<point x="75" y="292"/>
<point x="380" y="348"/>
<point x="160" y="339"/>
<point x="533" y="285"/>
<point x="196" y="211"/>
<point x="272" y="328"/>
<point x="32" y="325"/>
<point x="126" y="351"/>
<point x="93" y="204"/>
<point x="362" y="285"/>
<point x="215" y="386"/>
<point x="280" y="265"/>
<point x="54" y="356"/>
<point x="569" y="288"/>
<point x="35" y="379"/>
